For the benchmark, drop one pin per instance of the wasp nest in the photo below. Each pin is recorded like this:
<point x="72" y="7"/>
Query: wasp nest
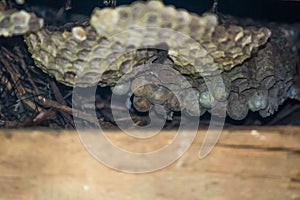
<point x="248" y="67"/>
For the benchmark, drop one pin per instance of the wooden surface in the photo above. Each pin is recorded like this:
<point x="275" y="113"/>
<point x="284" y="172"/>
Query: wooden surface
<point x="247" y="163"/>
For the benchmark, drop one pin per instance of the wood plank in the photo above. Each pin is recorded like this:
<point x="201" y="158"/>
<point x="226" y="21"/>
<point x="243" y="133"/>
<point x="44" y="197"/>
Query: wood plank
<point x="247" y="163"/>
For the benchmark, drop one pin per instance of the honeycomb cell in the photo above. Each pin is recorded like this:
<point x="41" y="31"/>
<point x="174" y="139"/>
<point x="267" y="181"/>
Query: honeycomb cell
<point x="141" y="104"/>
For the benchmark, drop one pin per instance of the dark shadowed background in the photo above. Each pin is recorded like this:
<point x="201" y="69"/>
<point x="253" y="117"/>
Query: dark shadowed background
<point x="271" y="10"/>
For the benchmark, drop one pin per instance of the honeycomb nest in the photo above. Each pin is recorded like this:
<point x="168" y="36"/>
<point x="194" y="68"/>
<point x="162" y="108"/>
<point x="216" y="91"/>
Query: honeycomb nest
<point x="109" y="44"/>
<point x="14" y="22"/>
<point x="243" y="65"/>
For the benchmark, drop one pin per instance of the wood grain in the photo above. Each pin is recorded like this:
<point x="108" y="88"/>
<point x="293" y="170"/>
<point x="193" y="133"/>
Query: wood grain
<point x="247" y="163"/>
